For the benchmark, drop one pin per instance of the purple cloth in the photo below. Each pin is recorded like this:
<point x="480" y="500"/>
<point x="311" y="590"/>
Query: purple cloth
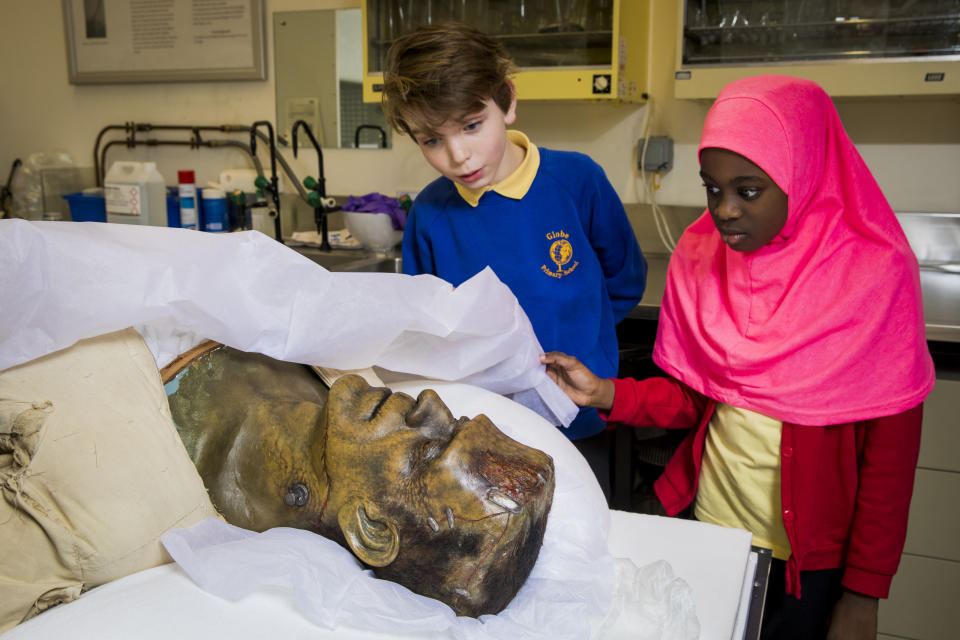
<point x="379" y="203"/>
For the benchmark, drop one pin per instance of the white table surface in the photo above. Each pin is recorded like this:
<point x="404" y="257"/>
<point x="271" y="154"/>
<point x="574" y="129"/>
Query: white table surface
<point x="163" y="603"/>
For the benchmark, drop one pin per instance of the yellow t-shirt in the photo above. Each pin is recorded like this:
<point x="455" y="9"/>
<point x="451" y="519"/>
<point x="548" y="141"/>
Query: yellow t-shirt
<point x="739" y="482"/>
<point x="516" y="184"/>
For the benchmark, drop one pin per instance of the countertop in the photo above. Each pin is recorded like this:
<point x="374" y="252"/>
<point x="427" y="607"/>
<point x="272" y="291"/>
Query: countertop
<point x="649" y="307"/>
<point x="941" y="298"/>
<point x="941" y="289"/>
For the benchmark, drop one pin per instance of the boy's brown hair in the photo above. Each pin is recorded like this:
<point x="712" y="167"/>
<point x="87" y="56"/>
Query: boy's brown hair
<point x="441" y="72"/>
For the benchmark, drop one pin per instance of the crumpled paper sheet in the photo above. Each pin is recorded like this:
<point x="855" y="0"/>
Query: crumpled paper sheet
<point x="576" y="589"/>
<point x="649" y="603"/>
<point x="63" y="281"/>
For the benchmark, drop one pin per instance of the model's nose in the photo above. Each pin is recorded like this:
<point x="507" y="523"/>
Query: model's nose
<point x="726" y="210"/>
<point x="459" y="152"/>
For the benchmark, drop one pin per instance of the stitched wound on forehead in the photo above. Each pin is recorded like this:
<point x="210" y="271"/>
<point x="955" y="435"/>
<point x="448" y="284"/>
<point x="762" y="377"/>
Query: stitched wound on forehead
<point x="516" y="478"/>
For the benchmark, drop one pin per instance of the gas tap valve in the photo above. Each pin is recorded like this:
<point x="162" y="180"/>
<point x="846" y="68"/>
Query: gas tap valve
<point x="263" y="187"/>
<point x="239" y="200"/>
<point x="316" y="197"/>
<point x="322" y="205"/>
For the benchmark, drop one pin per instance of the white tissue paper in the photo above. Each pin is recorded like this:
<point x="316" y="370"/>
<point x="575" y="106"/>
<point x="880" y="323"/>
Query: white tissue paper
<point x="576" y="589"/>
<point x="63" y="281"/>
<point x="649" y="603"/>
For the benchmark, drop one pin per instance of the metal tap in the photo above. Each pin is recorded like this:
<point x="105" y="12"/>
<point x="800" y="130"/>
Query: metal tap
<point x="317" y="197"/>
<point x="273" y="187"/>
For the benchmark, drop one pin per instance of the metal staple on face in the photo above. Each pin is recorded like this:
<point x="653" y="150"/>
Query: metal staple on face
<point x="297" y="495"/>
<point x="501" y="499"/>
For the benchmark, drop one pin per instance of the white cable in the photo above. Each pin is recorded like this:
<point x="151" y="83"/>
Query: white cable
<point x="663" y="227"/>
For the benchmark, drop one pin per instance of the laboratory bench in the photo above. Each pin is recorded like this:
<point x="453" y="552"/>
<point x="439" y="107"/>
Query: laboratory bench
<point x="941" y="298"/>
<point x="354" y="260"/>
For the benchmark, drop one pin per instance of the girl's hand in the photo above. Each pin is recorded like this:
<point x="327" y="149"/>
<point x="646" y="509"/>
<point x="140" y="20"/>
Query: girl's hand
<point x="854" y="616"/>
<point x="578" y="382"/>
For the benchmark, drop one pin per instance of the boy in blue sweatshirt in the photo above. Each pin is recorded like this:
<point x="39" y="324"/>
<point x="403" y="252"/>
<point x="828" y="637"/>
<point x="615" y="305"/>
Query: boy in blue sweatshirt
<point x="547" y="222"/>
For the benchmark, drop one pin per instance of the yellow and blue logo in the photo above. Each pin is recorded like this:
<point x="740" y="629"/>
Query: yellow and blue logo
<point x="561" y="254"/>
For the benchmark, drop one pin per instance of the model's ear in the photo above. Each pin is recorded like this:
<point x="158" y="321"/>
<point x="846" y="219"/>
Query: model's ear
<point x="373" y="539"/>
<point x="510" y="116"/>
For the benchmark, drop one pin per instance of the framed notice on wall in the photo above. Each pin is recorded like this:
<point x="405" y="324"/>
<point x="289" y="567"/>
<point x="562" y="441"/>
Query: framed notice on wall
<point x="116" y="41"/>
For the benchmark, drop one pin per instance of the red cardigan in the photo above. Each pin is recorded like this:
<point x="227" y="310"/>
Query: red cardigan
<point x="845" y="488"/>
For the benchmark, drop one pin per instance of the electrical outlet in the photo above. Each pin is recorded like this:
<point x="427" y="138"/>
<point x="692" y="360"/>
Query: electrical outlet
<point x="658" y="155"/>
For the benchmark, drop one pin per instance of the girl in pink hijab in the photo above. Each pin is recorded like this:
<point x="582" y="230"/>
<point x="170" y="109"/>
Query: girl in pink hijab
<point x="792" y="334"/>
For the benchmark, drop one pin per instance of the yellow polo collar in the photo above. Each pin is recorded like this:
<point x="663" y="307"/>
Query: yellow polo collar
<point x="516" y="184"/>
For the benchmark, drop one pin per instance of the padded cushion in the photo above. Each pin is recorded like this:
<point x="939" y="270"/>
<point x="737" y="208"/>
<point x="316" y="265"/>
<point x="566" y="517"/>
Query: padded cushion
<point x="92" y="473"/>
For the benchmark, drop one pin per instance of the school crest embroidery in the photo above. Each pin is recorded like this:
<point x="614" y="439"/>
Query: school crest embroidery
<point x="561" y="254"/>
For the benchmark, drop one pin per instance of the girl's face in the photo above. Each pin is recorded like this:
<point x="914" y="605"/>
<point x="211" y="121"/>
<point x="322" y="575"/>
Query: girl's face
<point x="748" y="207"/>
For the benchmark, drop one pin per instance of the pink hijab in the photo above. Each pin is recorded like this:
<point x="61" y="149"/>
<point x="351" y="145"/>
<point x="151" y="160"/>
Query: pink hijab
<point x="823" y="325"/>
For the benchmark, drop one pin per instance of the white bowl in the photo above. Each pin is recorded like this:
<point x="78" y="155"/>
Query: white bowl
<point x="373" y="230"/>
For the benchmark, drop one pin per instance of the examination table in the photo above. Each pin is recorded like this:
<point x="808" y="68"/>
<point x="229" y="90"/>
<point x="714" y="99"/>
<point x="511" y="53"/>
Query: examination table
<point x="600" y="573"/>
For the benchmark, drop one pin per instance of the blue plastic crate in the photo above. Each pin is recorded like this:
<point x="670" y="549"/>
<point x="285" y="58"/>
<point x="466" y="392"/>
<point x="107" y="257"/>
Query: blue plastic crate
<point x="90" y="208"/>
<point x="84" y="208"/>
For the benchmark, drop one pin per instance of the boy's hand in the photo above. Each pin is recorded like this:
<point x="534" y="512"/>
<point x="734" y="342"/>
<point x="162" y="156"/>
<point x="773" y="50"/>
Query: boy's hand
<point x="854" y="616"/>
<point x="578" y="382"/>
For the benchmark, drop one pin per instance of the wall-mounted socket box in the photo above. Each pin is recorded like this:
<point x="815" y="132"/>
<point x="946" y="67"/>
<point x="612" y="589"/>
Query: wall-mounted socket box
<point x="658" y="155"/>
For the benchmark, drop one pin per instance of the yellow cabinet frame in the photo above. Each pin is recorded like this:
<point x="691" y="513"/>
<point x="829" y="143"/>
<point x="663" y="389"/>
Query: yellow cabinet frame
<point x="841" y="78"/>
<point x="624" y="80"/>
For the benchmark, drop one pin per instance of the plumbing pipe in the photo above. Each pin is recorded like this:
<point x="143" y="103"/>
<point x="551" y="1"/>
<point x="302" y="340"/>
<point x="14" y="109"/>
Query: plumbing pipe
<point x="274" y="187"/>
<point x="378" y="129"/>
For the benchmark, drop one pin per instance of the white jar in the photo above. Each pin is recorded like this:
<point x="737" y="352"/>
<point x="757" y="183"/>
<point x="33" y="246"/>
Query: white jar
<point x="136" y="193"/>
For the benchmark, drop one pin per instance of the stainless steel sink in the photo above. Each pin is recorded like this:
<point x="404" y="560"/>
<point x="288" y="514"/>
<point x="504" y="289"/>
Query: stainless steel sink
<point x="352" y="260"/>
<point x="935" y="239"/>
<point x="388" y="264"/>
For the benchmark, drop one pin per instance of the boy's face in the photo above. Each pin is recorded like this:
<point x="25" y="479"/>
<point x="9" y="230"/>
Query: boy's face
<point x="748" y="208"/>
<point x="472" y="150"/>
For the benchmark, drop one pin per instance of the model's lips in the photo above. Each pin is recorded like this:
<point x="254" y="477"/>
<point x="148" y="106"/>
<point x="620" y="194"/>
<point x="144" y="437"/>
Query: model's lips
<point x="473" y="176"/>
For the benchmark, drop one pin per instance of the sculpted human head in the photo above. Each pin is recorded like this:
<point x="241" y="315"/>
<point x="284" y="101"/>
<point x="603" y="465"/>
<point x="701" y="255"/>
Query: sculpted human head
<point x="450" y="508"/>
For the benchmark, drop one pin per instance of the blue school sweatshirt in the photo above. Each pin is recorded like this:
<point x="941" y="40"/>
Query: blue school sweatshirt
<point x="565" y="249"/>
